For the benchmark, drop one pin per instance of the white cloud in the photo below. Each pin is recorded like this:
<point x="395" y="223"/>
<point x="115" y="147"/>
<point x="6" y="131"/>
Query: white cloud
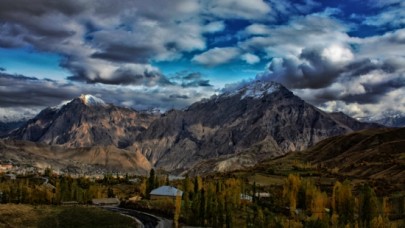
<point x="250" y="58"/>
<point x="337" y="54"/>
<point x="215" y="26"/>
<point x="227" y="9"/>
<point x="257" y="29"/>
<point x="217" y="56"/>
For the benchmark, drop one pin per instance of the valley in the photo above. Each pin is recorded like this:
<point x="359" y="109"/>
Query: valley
<point x="257" y="157"/>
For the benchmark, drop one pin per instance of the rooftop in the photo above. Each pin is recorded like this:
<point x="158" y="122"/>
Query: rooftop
<point x="166" y="191"/>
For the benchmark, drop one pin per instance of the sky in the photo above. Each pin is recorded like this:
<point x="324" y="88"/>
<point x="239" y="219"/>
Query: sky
<point x="339" y="55"/>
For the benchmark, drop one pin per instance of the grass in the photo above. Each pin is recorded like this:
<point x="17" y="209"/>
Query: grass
<point x="266" y="180"/>
<point x="12" y="215"/>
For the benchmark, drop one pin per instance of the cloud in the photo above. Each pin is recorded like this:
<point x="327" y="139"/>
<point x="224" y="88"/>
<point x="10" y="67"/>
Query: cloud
<point x="231" y="9"/>
<point x="315" y="57"/>
<point x="391" y="14"/>
<point x="215" y="26"/>
<point x="313" y="68"/>
<point x="217" y="56"/>
<point x="190" y="79"/>
<point x="29" y="95"/>
<point x="250" y="58"/>
<point x="103" y="42"/>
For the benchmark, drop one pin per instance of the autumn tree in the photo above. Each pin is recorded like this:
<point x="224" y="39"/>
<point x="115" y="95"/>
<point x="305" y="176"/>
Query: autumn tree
<point x="177" y="210"/>
<point x="290" y="191"/>
<point x="343" y="202"/>
<point x="318" y="204"/>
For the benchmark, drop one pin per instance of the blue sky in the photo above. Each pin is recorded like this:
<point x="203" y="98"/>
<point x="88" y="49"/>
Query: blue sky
<point x="338" y="55"/>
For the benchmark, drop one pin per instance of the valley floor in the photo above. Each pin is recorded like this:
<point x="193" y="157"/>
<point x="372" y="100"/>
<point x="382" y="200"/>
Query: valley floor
<point x="22" y="215"/>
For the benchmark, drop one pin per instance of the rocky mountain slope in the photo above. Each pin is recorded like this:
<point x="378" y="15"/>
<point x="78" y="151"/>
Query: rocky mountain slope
<point x="89" y="160"/>
<point x="85" y="122"/>
<point x="239" y="128"/>
<point x="392" y="121"/>
<point x="7" y="127"/>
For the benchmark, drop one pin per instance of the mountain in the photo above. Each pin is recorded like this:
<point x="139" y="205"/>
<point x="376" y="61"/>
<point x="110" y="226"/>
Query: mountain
<point x="232" y="130"/>
<point x="237" y="129"/>
<point x="7" y="127"/>
<point x="392" y="121"/>
<point x="85" y="121"/>
<point x="387" y="118"/>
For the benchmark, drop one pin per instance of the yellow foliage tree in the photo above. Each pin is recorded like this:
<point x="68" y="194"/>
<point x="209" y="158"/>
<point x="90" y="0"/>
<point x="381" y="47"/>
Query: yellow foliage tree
<point x="177" y="210"/>
<point x="290" y="191"/>
<point x="318" y="205"/>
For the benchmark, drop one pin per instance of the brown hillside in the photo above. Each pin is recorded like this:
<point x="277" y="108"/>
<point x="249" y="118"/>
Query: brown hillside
<point x="375" y="153"/>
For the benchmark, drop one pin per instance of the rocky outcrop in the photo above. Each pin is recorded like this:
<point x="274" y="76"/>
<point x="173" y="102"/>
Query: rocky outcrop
<point x="265" y="118"/>
<point x="82" y="123"/>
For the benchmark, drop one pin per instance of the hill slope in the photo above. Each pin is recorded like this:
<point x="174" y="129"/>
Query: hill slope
<point x="377" y="153"/>
<point x="88" y="160"/>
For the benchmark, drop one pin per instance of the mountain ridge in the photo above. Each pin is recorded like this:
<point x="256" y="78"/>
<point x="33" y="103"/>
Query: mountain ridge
<point x="263" y="117"/>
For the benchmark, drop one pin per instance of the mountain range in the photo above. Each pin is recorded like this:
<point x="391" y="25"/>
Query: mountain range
<point x="228" y="131"/>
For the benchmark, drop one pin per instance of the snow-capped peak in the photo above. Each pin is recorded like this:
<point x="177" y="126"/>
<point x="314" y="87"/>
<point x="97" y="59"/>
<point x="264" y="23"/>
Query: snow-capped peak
<point x="59" y="106"/>
<point x="91" y="100"/>
<point x="259" y="89"/>
<point x="256" y="90"/>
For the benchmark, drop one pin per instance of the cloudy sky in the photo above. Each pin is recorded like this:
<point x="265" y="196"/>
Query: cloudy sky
<point x="338" y="55"/>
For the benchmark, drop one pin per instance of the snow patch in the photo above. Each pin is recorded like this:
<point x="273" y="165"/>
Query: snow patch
<point x="60" y="106"/>
<point x="91" y="100"/>
<point x="256" y="90"/>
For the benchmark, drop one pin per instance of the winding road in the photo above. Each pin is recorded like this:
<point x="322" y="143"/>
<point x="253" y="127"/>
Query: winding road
<point x="145" y="220"/>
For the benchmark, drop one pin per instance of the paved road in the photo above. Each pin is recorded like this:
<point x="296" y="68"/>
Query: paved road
<point x="144" y="219"/>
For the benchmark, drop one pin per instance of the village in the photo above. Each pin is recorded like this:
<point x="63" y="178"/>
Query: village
<point x="216" y="201"/>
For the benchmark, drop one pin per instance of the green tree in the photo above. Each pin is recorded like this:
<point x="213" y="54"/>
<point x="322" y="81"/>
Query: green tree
<point x="368" y="205"/>
<point x="110" y="193"/>
<point x="151" y="182"/>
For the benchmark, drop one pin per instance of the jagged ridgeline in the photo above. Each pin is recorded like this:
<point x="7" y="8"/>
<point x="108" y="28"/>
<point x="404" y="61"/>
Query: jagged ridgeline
<point x="228" y="131"/>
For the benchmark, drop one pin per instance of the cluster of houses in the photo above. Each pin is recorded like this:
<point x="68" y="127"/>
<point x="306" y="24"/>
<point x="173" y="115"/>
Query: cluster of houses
<point x="168" y="192"/>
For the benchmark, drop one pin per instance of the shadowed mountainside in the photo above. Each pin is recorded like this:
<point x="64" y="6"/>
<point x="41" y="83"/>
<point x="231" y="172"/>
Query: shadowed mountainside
<point x="377" y="153"/>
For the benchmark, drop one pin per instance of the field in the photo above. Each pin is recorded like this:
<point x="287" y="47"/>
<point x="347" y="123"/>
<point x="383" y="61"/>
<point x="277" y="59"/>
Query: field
<point x="20" y="215"/>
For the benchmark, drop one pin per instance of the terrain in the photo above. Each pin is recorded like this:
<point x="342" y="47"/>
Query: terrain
<point x="97" y="160"/>
<point x="375" y="156"/>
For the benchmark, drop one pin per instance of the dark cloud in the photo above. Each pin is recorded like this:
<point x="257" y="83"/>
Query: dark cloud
<point x="310" y="70"/>
<point x="31" y="92"/>
<point x="189" y="79"/>
<point x="123" y="76"/>
<point x="36" y="94"/>
<point x="102" y="41"/>
<point x="2" y="69"/>
<point x="178" y="96"/>
<point x="121" y="53"/>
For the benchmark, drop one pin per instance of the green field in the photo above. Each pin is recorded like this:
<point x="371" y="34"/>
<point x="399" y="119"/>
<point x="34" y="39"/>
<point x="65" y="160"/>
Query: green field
<point x="20" y="215"/>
